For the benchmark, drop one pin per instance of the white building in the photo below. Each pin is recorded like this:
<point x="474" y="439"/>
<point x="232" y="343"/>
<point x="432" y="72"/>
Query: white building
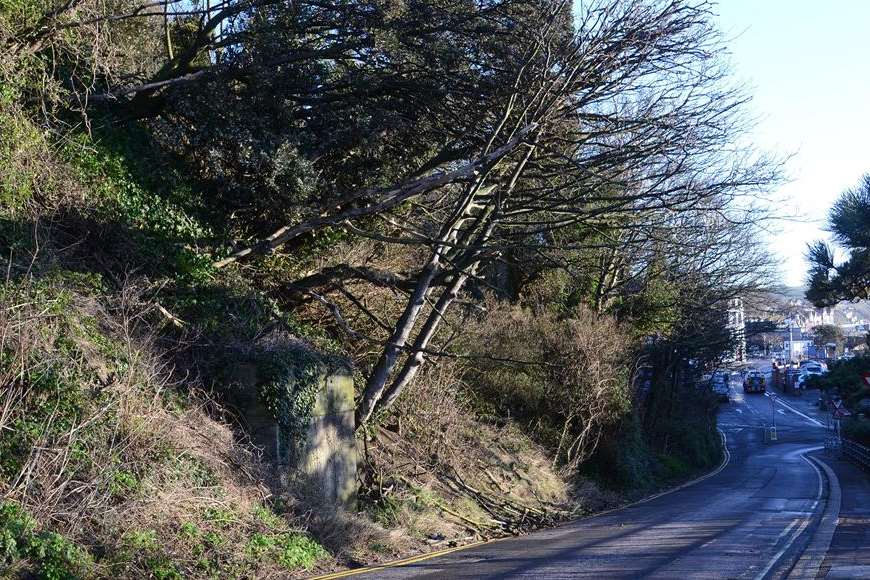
<point x="737" y="326"/>
<point x="806" y="317"/>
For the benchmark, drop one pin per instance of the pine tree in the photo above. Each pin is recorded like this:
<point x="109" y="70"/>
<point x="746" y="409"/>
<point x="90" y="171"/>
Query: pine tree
<point x="829" y="282"/>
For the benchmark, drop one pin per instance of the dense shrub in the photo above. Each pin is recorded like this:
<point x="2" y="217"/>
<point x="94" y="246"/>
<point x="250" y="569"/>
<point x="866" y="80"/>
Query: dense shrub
<point x="845" y="378"/>
<point x="857" y="429"/>
<point x="565" y="376"/>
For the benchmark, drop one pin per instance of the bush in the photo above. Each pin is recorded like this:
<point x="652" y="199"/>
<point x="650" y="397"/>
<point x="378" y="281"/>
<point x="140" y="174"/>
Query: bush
<point x="857" y="430"/>
<point x="845" y="379"/>
<point x="570" y="379"/>
<point x="623" y="461"/>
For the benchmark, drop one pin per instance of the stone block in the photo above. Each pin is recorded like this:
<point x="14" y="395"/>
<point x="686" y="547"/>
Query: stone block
<point x="325" y="461"/>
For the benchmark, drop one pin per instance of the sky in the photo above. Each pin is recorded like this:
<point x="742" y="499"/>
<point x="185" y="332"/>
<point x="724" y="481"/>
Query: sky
<point x="807" y="66"/>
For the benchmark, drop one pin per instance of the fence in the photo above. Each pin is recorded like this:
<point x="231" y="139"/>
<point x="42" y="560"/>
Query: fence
<point x="855" y="452"/>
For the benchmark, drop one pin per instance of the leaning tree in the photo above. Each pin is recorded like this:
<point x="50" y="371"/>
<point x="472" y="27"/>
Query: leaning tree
<point x="619" y="119"/>
<point x="467" y="136"/>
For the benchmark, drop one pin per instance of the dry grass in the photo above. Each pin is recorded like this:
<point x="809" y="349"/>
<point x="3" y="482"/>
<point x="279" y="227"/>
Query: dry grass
<point x="101" y="446"/>
<point x="440" y="474"/>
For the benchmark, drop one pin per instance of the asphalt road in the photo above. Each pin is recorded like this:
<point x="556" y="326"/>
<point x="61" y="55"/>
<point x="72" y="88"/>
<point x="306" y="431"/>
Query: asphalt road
<point x="762" y="516"/>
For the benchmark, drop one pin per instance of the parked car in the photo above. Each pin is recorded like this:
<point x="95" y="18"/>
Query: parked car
<point x="817" y="366"/>
<point x="807" y="372"/>
<point x="754" y="382"/>
<point x="722" y="391"/>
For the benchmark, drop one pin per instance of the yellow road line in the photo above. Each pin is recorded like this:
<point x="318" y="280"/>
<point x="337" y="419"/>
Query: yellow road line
<point x="403" y="562"/>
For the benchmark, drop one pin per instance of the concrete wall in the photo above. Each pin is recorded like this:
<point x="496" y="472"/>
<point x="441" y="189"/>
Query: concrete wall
<point x="327" y="460"/>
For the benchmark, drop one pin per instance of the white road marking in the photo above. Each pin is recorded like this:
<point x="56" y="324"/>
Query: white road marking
<point x="804" y="521"/>
<point x="796" y="412"/>
<point x="787" y="529"/>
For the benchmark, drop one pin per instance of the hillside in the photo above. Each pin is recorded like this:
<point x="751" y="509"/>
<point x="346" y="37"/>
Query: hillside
<point x="843" y="312"/>
<point x="205" y="214"/>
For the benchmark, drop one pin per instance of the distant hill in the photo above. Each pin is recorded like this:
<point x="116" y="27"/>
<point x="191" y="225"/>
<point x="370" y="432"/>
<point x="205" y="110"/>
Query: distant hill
<point x="792" y="292"/>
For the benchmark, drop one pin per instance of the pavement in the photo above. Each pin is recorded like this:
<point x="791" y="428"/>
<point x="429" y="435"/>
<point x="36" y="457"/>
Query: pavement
<point x="774" y="509"/>
<point x="848" y="555"/>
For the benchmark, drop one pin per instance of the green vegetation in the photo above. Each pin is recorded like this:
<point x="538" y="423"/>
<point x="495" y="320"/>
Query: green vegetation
<point x="90" y="399"/>
<point x="831" y="281"/>
<point x="845" y="379"/>
<point x="50" y="555"/>
<point x="290" y="381"/>
<point x="406" y="192"/>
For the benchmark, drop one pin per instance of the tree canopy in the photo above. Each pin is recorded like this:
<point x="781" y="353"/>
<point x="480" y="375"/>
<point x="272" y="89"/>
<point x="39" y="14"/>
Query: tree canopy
<point x="379" y="167"/>
<point x="831" y="281"/>
<point x="825" y="334"/>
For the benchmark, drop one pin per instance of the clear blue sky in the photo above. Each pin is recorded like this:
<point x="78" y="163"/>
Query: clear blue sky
<point x="807" y="64"/>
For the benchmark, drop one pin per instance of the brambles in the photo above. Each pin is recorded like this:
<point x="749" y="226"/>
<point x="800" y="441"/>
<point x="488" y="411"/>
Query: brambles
<point x="130" y="483"/>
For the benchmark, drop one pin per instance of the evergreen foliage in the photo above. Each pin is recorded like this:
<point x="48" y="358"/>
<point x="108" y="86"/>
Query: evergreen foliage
<point x="830" y="282"/>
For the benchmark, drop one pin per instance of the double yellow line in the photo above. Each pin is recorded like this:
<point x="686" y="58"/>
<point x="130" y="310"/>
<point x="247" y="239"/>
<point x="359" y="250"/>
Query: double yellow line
<point x="403" y="562"/>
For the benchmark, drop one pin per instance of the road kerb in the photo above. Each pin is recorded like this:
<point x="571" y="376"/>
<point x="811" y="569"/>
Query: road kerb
<point x="807" y="566"/>
<point x="402" y="562"/>
<point x="787" y="556"/>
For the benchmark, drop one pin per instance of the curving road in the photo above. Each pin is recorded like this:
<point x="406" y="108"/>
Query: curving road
<point x="768" y="513"/>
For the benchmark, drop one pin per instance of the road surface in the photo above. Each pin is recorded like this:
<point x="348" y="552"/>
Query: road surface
<point x="768" y="513"/>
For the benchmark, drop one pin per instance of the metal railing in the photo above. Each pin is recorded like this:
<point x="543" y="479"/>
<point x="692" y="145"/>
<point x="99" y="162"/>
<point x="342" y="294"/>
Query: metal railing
<point x="855" y="452"/>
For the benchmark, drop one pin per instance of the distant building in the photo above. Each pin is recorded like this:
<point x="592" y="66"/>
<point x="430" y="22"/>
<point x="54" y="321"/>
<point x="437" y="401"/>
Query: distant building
<point x="806" y="317"/>
<point x="797" y="349"/>
<point x="737" y="327"/>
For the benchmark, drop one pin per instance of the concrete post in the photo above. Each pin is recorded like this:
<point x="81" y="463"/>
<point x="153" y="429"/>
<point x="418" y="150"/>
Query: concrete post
<point x="328" y="461"/>
<point x="324" y="462"/>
